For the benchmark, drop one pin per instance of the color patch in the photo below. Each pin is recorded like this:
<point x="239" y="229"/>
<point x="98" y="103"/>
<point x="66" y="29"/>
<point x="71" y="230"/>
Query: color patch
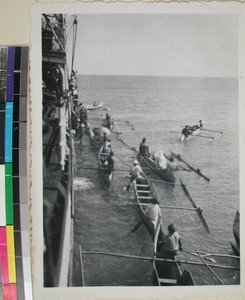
<point x="16" y="108"/>
<point x="3" y="256"/>
<point x="10" y="292"/>
<point x="8" y="131"/>
<point x="9" y="194"/>
<point x="10" y="74"/>
<point x="2" y="133"/>
<point x="11" y="254"/>
<point x="2" y="196"/>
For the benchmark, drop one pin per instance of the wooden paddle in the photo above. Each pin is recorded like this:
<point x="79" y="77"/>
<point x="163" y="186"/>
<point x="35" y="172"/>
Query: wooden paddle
<point x="206" y="137"/>
<point x="204" y="254"/>
<point x="136" y="227"/>
<point x="208" y="266"/>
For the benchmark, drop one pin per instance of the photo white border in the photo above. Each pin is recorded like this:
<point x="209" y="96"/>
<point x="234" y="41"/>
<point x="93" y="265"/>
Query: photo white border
<point x="155" y="293"/>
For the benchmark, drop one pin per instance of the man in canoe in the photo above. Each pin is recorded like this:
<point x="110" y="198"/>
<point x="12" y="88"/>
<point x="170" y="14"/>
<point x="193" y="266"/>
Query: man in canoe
<point x="135" y="173"/>
<point x="171" y="165"/>
<point x="201" y="124"/>
<point x="110" y="161"/>
<point x="83" y="114"/>
<point x="144" y="149"/>
<point x="171" y="243"/>
<point x="187" y="130"/>
<point x="107" y="146"/>
<point x="107" y="121"/>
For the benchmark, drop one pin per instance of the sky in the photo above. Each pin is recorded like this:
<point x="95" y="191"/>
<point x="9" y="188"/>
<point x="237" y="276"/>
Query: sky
<point x="157" y="45"/>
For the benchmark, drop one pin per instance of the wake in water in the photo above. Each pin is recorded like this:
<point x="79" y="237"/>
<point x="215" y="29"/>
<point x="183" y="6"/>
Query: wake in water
<point x="82" y="184"/>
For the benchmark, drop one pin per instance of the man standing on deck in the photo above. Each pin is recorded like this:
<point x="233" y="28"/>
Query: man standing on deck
<point x="135" y="172"/>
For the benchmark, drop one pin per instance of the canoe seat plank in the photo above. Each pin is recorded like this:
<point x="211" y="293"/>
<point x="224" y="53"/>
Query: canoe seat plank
<point x="142" y="185"/>
<point x="168" y="281"/>
<point x="142" y="191"/>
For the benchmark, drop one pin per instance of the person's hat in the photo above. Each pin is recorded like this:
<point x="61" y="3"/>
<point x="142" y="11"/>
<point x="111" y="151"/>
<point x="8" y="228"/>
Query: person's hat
<point x="136" y="162"/>
<point x="172" y="228"/>
<point x="200" y="120"/>
<point x="144" y="139"/>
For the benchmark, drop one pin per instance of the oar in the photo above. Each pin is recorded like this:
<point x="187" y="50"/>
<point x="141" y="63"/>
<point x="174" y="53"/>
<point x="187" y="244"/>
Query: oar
<point x="206" y="137"/>
<point x="136" y="227"/>
<point x="198" y="171"/>
<point x="204" y="254"/>
<point x="208" y="266"/>
<point x="221" y="132"/>
<point x="160" y="259"/>
<point x="194" y="254"/>
<point x="174" y="131"/>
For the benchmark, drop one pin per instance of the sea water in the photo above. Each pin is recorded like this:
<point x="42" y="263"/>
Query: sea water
<point x="157" y="108"/>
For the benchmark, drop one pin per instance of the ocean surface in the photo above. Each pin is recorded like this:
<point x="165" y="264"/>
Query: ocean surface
<point x="152" y="107"/>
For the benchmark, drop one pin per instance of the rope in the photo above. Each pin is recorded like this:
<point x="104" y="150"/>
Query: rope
<point x="74" y="41"/>
<point x="123" y="161"/>
<point x="122" y="141"/>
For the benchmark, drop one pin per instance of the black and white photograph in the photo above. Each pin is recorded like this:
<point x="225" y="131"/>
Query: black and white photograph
<point x="137" y="142"/>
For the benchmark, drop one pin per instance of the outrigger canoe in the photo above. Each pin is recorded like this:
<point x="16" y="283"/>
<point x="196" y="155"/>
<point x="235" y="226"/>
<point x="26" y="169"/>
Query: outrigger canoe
<point x="236" y="232"/>
<point x="236" y="228"/>
<point x="165" y="273"/>
<point x="169" y="273"/>
<point x="105" y="124"/>
<point x="166" y="174"/>
<point x="196" y="131"/>
<point x="105" y="169"/>
<point x="94" y="106"/>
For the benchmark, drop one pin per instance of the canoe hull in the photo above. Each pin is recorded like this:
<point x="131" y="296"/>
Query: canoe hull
<point x="168" y="273"/>
<point x="106" y="172"/>
<point x="236" y="228"/>
<point x="235" y="249"/>
<point x="165" y="174"/>
<point x="164" y="273"/>
<point x="194" y="133"/>
<point x="92" y="107"/>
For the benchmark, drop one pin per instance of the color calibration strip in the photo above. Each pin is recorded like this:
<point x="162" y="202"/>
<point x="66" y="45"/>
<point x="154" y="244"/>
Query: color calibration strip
<point x="14" y="214"/>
